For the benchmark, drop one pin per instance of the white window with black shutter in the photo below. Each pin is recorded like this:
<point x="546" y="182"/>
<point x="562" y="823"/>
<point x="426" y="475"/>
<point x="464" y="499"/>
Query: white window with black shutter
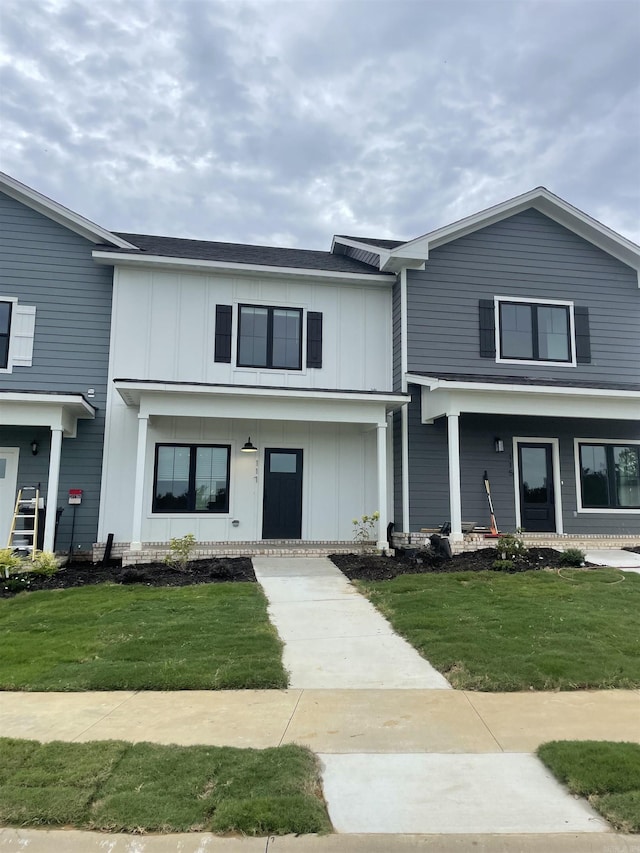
<point x="17" y="329"/>
<point x="268" y="337"/>
<point x="514" y="330"/>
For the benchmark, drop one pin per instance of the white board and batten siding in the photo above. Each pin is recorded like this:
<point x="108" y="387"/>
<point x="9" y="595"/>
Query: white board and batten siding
<point x="164" y="330"/>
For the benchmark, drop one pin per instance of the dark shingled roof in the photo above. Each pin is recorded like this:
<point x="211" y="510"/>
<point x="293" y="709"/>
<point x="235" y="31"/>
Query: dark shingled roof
<point x="241" y="253"/>
<point x="370" y="241"/>
<point x="530" y="380"/>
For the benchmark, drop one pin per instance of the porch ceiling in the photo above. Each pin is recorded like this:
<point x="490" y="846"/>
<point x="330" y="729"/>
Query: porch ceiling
<point x="52" y="410"/>
<point x="440" y="397"/>
<point x="204" y="400"/>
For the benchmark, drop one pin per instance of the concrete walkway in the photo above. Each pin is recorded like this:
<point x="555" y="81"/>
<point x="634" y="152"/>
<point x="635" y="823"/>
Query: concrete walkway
<point x="628" y="561"/>
<point x="334" y="638"/>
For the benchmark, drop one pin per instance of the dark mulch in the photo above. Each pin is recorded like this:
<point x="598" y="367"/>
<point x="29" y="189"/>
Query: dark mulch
<point x="373" y="567"/>
<point x="214" y="570"/>
<point x="634" y="550"/>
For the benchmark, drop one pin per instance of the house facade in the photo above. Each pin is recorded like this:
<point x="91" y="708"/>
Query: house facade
<point x="517" y="335"/>
<point x="249" y="395"/>
<point x="256" y="394"/>
<point x="55" y="310"/>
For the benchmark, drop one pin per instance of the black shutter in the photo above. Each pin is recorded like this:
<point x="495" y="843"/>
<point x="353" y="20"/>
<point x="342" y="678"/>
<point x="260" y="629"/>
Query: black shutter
<point x="314" y="339"/>
<point x="223" y="333"/>
<point x="583" y="337"/>
<point x="487" y="329"/>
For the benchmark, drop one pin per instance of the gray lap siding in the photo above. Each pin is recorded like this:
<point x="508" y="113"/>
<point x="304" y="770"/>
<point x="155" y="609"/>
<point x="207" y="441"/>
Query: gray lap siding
<point x="46" y="265"/>
<point x="429" y="474"/>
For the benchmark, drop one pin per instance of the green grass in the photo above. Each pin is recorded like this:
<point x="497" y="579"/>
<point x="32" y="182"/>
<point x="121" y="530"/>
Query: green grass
<point x="108" y="637"/>
<point x="120" y="787"/>
<point x="607" y="773"/>
<point x="534" y="630"/>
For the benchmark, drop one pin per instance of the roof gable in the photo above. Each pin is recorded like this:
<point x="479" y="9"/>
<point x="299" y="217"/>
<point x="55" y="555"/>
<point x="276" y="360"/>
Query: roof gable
<point x="58" y="213"/>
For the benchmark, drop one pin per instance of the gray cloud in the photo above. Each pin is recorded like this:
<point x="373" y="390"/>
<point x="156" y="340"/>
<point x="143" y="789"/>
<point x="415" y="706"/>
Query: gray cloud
<point x="286" y="122"/>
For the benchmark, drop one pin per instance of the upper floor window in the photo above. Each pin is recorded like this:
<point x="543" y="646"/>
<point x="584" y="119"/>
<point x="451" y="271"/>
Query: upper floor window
<point x="191" y="478"/>
<point x="5" y="333"/>
<point x="270" y="337"/>
<point x="535" y="331"/>
<point x="609" y="474"/>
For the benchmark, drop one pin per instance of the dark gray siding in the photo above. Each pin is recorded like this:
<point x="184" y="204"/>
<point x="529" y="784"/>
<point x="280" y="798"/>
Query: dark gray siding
<point x="397" y="469"/>
<point x="397" y="336"/>
<point x="527" y="256"/>
<point x="429" y="481"/>
<point x="46" y="265"/>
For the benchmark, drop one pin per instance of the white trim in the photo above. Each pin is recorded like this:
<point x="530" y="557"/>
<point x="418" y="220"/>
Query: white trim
<point x="434" y="383"/>
<point x="58" y="213"/>
<point x="404" y="426"/>
<point x="537" y="362"/>
<point x="542" y="200"/>
<point x="53" y="483"/>
<point x="404" y="341"/>
<point x="455" y="489"/>
<point x="381" y="442"/>
<point x="576" y="459"/>
<point x="557" y="481"/>
<point x="114" y="258"/>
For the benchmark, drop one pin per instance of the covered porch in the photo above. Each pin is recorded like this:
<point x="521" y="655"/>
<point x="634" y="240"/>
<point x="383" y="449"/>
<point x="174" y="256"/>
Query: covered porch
<point x="286" y="468"/>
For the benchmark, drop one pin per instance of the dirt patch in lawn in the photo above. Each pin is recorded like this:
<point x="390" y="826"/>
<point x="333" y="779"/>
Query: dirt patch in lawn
<point x="213" y="570"/>
<point x="373" y="567"/>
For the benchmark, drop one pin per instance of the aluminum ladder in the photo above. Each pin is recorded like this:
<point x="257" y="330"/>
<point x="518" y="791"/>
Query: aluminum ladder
<point x="25" y="538"/>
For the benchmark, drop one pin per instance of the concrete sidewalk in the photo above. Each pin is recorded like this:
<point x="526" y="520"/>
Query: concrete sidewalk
<point x="329" y="721"/>
<point x="333" y="637"/>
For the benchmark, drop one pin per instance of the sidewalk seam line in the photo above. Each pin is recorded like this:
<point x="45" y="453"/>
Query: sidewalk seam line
<point x="481" y="718"/>
<point x="286" y="728"/>
<point x="108" y="714"/>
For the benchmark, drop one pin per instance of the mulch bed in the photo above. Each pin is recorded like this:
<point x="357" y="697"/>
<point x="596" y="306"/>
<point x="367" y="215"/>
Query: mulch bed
<point x="214" y="570"/>
<point x="634" y="550"/>
<point x="372" y="567"/>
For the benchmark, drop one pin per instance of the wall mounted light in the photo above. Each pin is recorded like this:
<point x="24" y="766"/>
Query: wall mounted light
<point x="499" y="445"/>
<point x="247" y="447"/>
<point x="35" y="447"/>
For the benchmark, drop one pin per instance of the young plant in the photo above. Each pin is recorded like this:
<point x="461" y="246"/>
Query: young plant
<point x="44" y="563"/>
<point x="10" y="564"/>
<point x="572" y="557"/>
<point x="363" y="527"/>
<point x="181" y="549"/>
<point x="510" y="546"/>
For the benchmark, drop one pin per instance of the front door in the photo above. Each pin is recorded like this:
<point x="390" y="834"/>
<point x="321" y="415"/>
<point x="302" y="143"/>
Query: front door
<point x="537" y="501"/>
<point x="282" y="506"/>
<point x="8" y="483"/>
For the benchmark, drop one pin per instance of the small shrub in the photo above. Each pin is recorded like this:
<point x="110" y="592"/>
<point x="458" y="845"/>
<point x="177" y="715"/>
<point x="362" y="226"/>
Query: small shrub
<point x="363" y="528"/>
<point x="18" y="583"/>
<point x="510" y="546"/>
<point x="503" y="565"/>
<point x="9" y="563"/>
<point x="44" y="563"/>
<point x="572" y="557"/>
<point x="181" y="549"/>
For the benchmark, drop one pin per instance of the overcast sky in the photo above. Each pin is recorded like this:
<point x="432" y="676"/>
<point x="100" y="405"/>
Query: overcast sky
<point x="286" y="122"/>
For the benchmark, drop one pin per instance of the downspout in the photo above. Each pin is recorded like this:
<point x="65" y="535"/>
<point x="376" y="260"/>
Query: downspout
<point x="404" y="414"/>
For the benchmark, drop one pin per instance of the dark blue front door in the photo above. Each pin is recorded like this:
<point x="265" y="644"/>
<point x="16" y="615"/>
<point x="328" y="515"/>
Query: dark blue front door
<point x="537" y="501"/>
<point x="282" y="504"/>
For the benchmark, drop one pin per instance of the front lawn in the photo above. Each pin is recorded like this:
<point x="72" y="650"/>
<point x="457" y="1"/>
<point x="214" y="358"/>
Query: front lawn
<point x="537" y="630"/>
<point x="107" y="637"/>
<point x="121" y="787"/>
<point x="607" y="773"/>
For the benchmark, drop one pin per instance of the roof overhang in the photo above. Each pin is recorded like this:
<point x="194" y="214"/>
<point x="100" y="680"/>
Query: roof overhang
<point x="441" y="397"/>
<point x="183" y="399"/>
<point x="58" y="213"/>
<point x="55" y="411"/>
<point x="417" y="251"/>
<point x="237" y="269"/>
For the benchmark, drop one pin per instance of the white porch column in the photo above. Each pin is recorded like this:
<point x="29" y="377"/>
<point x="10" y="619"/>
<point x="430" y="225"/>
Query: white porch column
<point x="52" y="490"/>
<point x="138" y="493"/>
<point x="382" y="543"/>
<point x="455" y="499"/>
<point x="404" y="426"/>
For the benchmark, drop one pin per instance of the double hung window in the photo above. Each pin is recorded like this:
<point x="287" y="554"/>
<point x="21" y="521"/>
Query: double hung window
<point x="5" y="332"/>
<point x="531" y="331"/>
<point x="270" y="337"/>
<point x="609" y="475"/>
<point x="191" y="478"/>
